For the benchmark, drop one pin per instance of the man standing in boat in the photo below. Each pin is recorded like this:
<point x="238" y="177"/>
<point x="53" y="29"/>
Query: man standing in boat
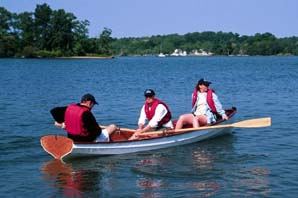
<point x="156" y="112"/>
<point x="79" y="122"/>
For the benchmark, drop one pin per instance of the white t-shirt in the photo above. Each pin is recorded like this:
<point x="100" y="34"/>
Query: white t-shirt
<point x="202" y="108"/>
<point x="160" y="112"/>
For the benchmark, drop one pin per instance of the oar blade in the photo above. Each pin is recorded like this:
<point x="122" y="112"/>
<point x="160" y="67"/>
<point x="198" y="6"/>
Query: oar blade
<point x="253" y="123"/>
<point x="57" y="146"/>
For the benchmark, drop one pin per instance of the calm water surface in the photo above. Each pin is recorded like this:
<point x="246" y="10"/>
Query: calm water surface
<point x="259" y="162"/>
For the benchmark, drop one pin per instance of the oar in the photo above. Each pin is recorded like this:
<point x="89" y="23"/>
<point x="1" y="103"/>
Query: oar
<point x="121" y="128"/>
<point x="57" y="146"/>
<point x="252" y="123"/>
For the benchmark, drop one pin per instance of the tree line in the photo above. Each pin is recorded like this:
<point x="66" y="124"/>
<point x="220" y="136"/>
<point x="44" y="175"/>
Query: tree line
<point x="49" y="33"/>
<point x="55" y="33"/>
<point x="218" y="43"/>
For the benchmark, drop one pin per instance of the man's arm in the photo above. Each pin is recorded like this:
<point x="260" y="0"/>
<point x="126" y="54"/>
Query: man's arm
<point x="90" y="124"/>
<point x="142" y="118"/>
<point x="58" y="114"/>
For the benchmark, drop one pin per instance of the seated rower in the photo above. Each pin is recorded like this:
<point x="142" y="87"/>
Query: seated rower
<point x="156" y="112"/>
<point x="79" y="122"/>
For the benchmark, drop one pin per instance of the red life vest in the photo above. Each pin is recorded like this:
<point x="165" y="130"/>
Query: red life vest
<point x="150" y="111"/>
<point x="210" y="100"/>
<point x="73" y="120"/>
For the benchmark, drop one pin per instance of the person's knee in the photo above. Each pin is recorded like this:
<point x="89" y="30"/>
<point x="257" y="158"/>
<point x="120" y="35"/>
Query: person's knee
<point x="182" y="117"/>
<point x="113" y="127"/>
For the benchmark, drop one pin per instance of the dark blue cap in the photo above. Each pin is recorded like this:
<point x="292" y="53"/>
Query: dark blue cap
<point x="149" y="93"/>
<point x="88" y="97"/>
<point x="202" y="81"/>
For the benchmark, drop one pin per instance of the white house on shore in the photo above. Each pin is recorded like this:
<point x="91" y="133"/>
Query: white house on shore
<point x="179" y="52"/>
<point x="201" y="52"/>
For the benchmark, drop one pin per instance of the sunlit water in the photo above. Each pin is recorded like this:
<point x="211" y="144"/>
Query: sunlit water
<point x="259" y="162"/>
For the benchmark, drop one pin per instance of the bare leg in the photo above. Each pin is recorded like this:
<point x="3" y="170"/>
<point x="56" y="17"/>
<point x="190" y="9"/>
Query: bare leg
<point x="202" y="120"/>
<point x="186" y="119"/>
<point x="111" y="128"/>
<point x="195" y="122"/>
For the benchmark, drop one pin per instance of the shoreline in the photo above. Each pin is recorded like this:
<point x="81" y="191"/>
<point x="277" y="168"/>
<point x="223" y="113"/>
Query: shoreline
<point x="86" y="57"/>
<point x="113" y="57"/>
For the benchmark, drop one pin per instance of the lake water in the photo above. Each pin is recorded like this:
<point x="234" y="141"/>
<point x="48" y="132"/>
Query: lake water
<point x="259" y="162"/>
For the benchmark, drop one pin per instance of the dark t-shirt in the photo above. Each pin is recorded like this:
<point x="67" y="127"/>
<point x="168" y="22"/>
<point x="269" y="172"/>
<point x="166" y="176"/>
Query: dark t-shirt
<point x="89" y="123"/>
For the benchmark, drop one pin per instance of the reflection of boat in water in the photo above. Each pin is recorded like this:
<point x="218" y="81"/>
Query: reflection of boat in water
<point x="63" y="177"/>
<point x="192" y="165"/>
<point x="120" y="143"/>
<point x="71" y="183"/>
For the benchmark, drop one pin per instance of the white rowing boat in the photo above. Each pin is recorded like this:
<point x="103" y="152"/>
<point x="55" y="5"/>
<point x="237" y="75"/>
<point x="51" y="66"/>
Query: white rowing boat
<point x="60" y="146"/>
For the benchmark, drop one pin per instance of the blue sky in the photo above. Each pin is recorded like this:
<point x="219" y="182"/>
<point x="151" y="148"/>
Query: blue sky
<point x="136" y="18"/>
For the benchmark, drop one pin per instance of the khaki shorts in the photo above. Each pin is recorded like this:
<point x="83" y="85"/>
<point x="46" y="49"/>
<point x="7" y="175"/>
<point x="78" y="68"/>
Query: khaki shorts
<point x="103" y="137"/>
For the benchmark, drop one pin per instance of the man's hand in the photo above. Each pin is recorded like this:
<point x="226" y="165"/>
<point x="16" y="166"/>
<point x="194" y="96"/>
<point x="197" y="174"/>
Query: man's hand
<point x="135" y="135"/>
<point x="60" y="125"/>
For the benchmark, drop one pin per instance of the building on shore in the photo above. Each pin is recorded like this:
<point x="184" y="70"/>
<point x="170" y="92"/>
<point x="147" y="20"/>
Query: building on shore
<point x="200" y="52"/>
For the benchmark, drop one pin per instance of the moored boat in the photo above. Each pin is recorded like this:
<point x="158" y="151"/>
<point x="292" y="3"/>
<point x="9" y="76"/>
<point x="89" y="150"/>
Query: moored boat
<point x="120" y="143"/>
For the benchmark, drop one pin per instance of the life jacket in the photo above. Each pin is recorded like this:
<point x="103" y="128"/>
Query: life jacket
<point x="150" y="111"/>
<point x="73" y="120"/>
<point x="210" y="100"/>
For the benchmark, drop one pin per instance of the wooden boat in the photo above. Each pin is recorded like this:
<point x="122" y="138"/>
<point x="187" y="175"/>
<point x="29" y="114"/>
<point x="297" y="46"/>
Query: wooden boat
<point x="60" y="146"/>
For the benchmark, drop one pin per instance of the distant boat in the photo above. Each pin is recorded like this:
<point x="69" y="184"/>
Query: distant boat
<point x="161" y="55"/>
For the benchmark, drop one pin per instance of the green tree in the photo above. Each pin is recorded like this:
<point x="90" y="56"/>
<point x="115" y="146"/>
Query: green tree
<point x="8" y="46"/>
<point x="104" y="42"/>
<point x="81" y="37"/>
<point x="61" y="34"/>
<point x="42" y="15"/>
<point x="5" y="19"/>
<point x="8" y="38"/>
<point x="25" y="22"/>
